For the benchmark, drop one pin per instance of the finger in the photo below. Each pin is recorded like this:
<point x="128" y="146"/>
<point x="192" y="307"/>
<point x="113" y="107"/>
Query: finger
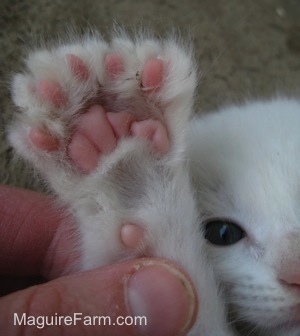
<point x="10" y="284"/>
<point x="153" y="289"/>
<point x="32" y="233"/>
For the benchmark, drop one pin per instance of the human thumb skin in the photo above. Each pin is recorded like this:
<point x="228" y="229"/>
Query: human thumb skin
<point x="138" y="297"/>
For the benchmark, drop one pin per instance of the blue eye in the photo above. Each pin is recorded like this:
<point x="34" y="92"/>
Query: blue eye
<point x="223" y="232"/>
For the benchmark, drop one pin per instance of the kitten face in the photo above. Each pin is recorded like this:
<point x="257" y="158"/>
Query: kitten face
<point x="246" y="166"/>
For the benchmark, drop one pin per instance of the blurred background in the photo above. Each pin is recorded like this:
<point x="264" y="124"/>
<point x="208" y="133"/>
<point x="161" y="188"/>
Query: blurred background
<point x="244" y="49"/>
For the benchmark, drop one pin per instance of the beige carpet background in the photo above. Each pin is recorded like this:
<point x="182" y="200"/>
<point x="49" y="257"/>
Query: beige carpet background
<point x="244" y="48"/>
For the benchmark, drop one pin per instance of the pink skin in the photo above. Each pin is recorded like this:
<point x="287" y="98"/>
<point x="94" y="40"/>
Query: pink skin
<point x="132" y="235"/>
<point x="98" y="131"/>
<point x="78" y="68"/>
<point x="52" y="92"/>
<point x="152" y="75"/>
<point x="154" y="131"/>
<point x="113" y="65"/>
<point x="43" y="140"/>
<point x="93" y="136"/>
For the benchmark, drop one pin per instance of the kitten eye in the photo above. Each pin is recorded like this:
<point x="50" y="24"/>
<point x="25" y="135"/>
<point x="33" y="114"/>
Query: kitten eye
<point x="223" y="232"/>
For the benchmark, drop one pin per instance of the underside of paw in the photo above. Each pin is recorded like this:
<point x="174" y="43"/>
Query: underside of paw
<point x="79" y="101"/>
<point x="96" y="130"/>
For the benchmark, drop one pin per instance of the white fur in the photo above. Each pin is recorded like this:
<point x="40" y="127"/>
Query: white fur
<point x="246" y="167"/>
<point x="132" y="183"/>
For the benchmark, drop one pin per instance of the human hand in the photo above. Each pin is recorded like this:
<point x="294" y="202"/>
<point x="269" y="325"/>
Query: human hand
<point x="34" y="241"/>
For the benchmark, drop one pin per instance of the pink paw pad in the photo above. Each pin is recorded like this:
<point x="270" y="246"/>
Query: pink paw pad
<point x="114" y="65"/>
<point x="83" y="153"/>
<point x="120" y="123"/>
<point x="43" y="140"/>
<point x="154" y="131"/>
<point x="52" y="92"/>
<point x="97" y="133"/>
<point x="152" y="75"/>
<point x="78" y="68"/>
<point x="132" y="235"/>
<point x="94" y="136"/>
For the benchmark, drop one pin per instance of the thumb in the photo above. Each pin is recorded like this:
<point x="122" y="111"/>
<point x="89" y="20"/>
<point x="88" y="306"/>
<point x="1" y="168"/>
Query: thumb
<point x="139" y="297"/>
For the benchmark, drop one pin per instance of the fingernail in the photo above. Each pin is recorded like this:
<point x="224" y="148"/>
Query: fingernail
<point x="162" y="294"/>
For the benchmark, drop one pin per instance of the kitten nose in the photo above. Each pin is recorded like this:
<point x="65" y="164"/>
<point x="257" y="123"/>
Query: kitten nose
<point x="291" y="278"/>
<point x="289" y="271"/>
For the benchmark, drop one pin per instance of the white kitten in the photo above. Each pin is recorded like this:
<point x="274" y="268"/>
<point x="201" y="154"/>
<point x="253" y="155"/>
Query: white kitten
<point x="132" y="183"/>
<point x="245" y="163"/>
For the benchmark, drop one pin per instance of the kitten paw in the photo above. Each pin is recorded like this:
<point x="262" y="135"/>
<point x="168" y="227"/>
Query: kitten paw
<point x="97" y="131"/>
<point x="78" y="101"/>
<point x="84" y="108"/>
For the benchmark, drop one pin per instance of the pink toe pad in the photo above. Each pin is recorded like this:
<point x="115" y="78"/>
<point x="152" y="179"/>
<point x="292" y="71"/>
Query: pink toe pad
<point x="114" y="65"/>
<point x="83" y="153"/>
<point x="52" y="92"/>
<point x="78" y="67"/>
<point x="43" y="140"/>
<point x="152" y="74"/>
<point x="154" y="131"/>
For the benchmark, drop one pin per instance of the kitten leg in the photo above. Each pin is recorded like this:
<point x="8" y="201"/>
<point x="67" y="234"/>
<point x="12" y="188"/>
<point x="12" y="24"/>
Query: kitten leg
<point x="130" y="189"/>
<point x="66" y="143"/>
